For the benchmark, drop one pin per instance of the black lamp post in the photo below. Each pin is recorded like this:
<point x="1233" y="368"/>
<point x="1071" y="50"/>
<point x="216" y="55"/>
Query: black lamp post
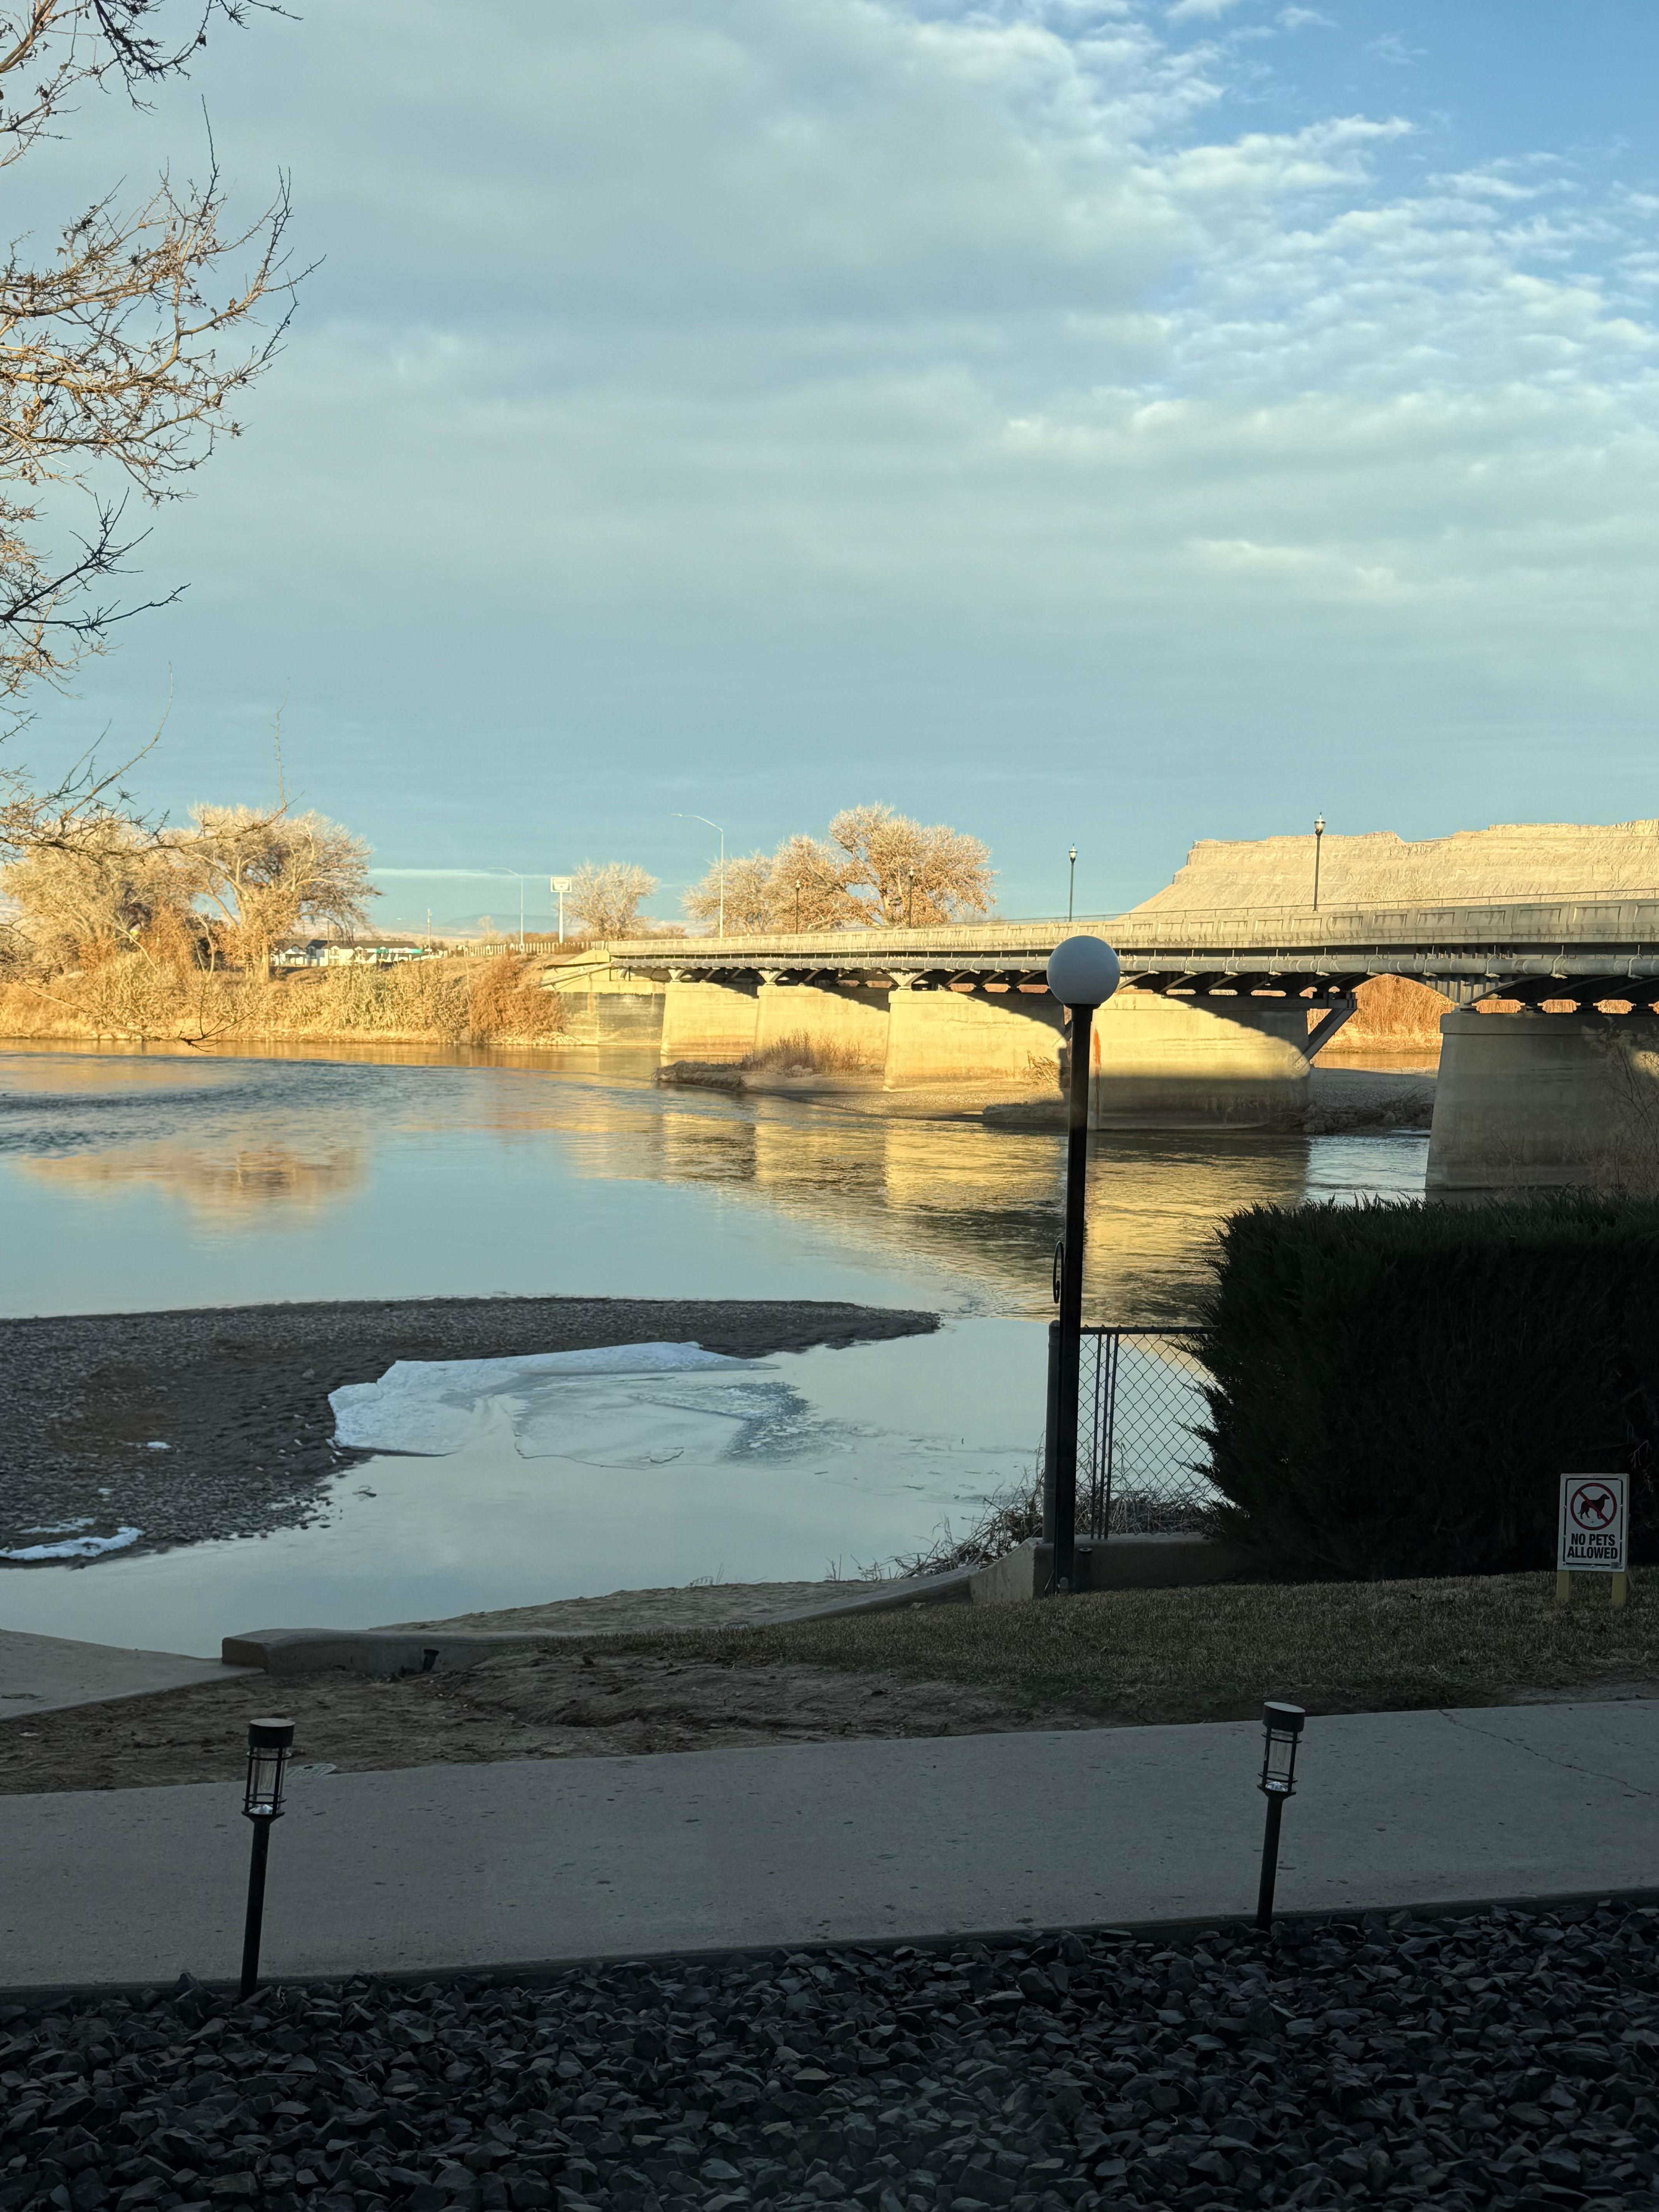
<point x="1281" y="1730"/>
<point x="1070" y="885"/>
<point x="269" y="1743"/>
<point x="1083" y="973"/>
<point x="1319" y="832"/>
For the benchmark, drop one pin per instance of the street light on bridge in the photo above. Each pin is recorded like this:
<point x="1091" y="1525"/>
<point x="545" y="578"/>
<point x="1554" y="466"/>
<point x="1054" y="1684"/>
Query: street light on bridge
<point x="1319" y="832"/>
<point x="1083" y="973"/>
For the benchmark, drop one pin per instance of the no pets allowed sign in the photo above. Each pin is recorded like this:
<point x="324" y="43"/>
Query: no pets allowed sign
<point x="1594" y="1525"/>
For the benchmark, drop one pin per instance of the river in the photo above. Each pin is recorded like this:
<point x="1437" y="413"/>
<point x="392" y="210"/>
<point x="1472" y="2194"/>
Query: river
<point x="166" y="1178"/>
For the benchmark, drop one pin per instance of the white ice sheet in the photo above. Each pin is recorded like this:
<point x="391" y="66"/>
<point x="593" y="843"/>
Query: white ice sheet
<point x="624" y="1404"/>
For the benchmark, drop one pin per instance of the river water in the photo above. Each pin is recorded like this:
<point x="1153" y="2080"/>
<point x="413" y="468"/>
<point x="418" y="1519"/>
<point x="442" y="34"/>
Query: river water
<point x="135" y="1181"/>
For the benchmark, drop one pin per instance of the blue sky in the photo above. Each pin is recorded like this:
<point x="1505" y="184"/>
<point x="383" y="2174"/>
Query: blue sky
<point x="1109" y="423"/>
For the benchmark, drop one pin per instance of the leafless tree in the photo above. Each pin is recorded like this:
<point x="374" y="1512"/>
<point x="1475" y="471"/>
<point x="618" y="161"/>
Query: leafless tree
<point x="606" y="898"/>
<point x="108" y="890"/>
<point x="898" y="874"/>
<point x="808" y="886"/>
<point x="268" y="873"/>
<point x="125" y="350"/>
<point x="747" y="906"/>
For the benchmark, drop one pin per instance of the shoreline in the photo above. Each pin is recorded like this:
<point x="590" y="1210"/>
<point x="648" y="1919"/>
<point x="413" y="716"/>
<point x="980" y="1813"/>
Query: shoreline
<point x="239" y="1394"/>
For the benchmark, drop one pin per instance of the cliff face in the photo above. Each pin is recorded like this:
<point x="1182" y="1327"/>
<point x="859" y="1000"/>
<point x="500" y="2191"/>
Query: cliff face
<point x="1511" y="861"/>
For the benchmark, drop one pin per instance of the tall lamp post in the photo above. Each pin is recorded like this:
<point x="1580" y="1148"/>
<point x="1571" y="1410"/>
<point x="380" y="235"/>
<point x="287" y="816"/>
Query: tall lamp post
<point x="1070" y="885"/>
<point x="714" y="825"/>
<point x="1083" y="973"/>
<point x="521" y="881"/>
<point x="1319" y="832"/>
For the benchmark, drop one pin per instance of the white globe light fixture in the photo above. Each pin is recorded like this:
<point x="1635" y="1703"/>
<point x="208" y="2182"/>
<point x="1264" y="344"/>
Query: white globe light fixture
<point x="1083" y="973"/>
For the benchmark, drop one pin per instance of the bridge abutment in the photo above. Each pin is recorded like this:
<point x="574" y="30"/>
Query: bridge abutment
<point x="1178" y="1063"/>
<point x="1531" y="1101"/>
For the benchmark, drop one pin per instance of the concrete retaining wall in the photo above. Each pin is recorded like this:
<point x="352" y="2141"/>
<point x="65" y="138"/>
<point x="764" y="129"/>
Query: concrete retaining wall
<point x="1529" y="1101"/>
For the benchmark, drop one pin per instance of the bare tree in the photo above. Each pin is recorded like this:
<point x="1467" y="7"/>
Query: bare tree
<point x="808" y="886"/>
<point x="896" y="873"/>
<point x="606" y="898"/>
<point x="127" y="348"/>
<point x="747" y="906"/>
<point x="267" y="873"/>
<point x="111" y="889"/>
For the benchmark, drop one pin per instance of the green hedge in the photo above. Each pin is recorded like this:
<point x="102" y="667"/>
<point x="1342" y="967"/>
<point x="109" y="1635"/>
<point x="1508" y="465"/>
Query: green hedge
<point x="1397" y="1387"/>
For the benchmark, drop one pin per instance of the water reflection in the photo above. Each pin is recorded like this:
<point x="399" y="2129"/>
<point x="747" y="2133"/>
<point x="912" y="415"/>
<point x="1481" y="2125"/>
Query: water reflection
<point x="251" y="1183"/>
<point x="396" y="1171"/>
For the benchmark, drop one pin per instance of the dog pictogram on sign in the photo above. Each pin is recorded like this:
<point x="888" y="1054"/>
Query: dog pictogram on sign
<point x="1592" y="1524"/>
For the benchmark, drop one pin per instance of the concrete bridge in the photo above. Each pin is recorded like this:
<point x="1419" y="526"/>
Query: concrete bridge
<point x="1220" y="1020"/>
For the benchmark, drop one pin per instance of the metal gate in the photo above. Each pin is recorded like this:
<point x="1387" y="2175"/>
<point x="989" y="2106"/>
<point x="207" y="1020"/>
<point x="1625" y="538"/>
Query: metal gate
<point x="1141" y="1462"/>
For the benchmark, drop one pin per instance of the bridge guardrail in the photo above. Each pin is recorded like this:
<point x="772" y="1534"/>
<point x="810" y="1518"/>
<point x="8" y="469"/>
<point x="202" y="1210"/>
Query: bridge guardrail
<point x="1627" y="922"/>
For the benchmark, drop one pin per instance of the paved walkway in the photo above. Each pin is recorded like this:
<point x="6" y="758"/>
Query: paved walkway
<point x="533" y="1862"/>
<point x="43" y="1673"/>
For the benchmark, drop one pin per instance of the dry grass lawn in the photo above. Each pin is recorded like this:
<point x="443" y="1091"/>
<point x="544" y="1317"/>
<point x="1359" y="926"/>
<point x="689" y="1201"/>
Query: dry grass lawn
<point x="1213" y="1653"/>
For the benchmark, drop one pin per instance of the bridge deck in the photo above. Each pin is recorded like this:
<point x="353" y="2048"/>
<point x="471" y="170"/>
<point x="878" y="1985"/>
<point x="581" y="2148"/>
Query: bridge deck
<point x="1584" y="947"/>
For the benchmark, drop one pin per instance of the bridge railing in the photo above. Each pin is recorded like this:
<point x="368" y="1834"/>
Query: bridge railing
<point x="1629" y="922"/>
<point x="1142" y="1462"/>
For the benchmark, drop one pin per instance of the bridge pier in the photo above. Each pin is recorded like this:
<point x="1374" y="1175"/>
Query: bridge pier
<point x="1198" y="1063"/>
<point x="972" y="1036"/>
<point x="709" y="1021"/>
<point x="1532" y="1101"/>
<point x="822" y="1026"/>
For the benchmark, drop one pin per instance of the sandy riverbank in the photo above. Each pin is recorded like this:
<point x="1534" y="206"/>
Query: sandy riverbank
<point x="238" y="1394"/>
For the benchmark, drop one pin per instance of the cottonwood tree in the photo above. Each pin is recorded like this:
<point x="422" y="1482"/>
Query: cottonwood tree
<point x="266" y="874"/>
<point x="896" y="873"/>
<point x="877" y="869"/>
<point x="606" y="898"/>
<point x="109" y="890"/>
<point x="124" y="351"/>
<point x="747" y="906"/>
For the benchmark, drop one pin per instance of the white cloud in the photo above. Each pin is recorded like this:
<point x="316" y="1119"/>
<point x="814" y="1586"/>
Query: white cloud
<point x="1187" y="11"/>
<point x="811" y="385"/>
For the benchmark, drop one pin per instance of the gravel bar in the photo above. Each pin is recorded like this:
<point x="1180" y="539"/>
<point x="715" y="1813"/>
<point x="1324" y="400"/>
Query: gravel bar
<point x="1505" y="2057"/>
<point x="239" y="1396"/>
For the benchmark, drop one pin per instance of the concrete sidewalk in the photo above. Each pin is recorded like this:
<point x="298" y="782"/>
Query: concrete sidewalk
<point x="538" y="1861"/>
<point x="44" y="1674"/>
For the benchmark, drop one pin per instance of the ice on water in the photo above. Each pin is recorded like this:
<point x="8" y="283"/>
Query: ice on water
<point x="635" y="1406"/>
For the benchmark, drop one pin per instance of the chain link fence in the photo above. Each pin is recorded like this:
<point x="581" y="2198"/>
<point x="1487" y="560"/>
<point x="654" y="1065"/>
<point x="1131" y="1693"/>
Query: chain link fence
<point x="1140" y="1461"/>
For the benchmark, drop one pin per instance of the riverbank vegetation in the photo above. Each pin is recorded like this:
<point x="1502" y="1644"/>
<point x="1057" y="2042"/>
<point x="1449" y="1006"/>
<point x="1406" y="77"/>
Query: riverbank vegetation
<point x="134" y="996"/>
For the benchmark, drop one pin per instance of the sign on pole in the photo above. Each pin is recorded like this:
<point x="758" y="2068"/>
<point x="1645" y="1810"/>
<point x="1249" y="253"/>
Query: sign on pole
<point x="1594" y="1530"/>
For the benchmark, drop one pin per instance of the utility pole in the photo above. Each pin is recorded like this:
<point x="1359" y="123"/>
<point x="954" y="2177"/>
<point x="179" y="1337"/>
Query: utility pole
<point x="1319" y="832"/>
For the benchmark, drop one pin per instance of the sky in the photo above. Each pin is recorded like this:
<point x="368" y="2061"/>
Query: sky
<point x="1079" y="421"/>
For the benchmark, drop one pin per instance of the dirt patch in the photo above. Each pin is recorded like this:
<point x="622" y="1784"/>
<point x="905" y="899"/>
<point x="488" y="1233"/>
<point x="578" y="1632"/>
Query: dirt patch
<point x="539" y="1705"/>
<point x="238" y="1396"/>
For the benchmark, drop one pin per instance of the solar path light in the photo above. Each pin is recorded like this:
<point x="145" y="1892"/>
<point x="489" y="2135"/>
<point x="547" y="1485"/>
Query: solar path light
<point x="269" y="1743"/>
<point x="1281" y="1731"/>
<point x="1083" y="973"/>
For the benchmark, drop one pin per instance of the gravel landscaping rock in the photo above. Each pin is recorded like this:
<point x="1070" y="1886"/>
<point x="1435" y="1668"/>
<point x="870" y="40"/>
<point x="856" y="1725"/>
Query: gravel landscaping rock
<point x="238" y="1396"/>
<point x="1505" y="2058"/>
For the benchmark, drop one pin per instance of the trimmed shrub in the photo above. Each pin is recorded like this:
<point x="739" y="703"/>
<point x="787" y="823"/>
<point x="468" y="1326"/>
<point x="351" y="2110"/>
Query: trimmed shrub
<point x="1396" y="1388"/>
